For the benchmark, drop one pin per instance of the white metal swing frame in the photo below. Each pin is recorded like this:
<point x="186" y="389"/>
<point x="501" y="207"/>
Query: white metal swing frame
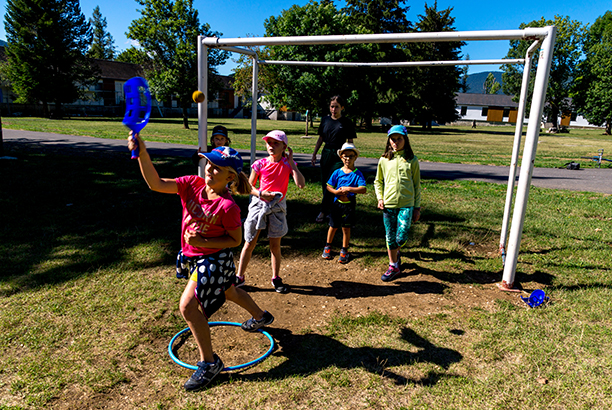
<point x="543" y="37"/>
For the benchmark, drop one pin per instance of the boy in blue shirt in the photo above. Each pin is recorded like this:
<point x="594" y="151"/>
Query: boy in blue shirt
<point x="344" y="183"/>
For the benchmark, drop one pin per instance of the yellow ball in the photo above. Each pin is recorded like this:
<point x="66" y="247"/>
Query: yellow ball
<point x="198" y="96"/>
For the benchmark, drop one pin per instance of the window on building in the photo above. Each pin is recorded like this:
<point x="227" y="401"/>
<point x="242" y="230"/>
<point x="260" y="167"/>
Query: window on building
<point x="463" y="111"/>
<point x="506" y="112"/>
<point x="485" y="111"/>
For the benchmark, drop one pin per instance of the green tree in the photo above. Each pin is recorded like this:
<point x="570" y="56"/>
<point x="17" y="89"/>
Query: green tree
<point x="563" y="71"/>
<point x="167" y="33"/>
<point x="377" y="91"/>
<point x="103" y="45"/>
<point x="593" y="93"/>
<point x="47" y="43"/>
<point x="302" y="88"/>
<point x="135" y="56"/>
<point x="491" y="86"/>
<point x="434" y="88"/>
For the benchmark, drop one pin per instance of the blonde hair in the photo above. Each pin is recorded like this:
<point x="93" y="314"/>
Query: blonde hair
<point x="240" y="184"/>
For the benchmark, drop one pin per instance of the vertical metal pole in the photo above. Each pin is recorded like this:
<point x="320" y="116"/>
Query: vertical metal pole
<point x="520" y="118"/>
<point x="203" y="106"/>
<point x="254" y="109"/>
<point x="529" y="151"/>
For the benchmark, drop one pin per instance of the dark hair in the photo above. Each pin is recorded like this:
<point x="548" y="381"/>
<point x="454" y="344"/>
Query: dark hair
<point x="219" y="129"/>
<point x="339" y="99"/>
<point x="408" y="153"/>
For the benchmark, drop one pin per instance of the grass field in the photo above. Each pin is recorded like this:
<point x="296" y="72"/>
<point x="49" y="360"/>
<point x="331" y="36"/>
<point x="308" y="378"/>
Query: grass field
<point x="486" y="145"/>
<point x="88" y="304"/>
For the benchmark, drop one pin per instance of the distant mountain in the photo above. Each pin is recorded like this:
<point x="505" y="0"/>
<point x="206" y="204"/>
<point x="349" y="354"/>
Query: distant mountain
<point x="475" y="82"/>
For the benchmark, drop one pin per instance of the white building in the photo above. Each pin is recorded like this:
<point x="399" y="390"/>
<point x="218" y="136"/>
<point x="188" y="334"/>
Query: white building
<point x="499" y="108"/>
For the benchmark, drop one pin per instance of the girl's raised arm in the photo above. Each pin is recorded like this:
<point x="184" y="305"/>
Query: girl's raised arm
<point x="299" y="179"/>
<point x="149" y="173"/>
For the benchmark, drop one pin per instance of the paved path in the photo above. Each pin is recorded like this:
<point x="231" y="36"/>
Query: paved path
<point x="590" y="180"/>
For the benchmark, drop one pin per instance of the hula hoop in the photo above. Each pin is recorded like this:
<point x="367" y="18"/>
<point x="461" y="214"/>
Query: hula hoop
<point x="228" y="368"/>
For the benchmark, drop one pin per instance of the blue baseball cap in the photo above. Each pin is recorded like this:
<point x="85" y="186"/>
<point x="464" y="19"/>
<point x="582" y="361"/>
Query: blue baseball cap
<point x="219" y="130"/>
<point x="398" y="129"/>
<point x="224" y="157"/>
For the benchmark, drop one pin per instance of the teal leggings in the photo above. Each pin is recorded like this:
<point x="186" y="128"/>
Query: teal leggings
<point x="397" y="225"/>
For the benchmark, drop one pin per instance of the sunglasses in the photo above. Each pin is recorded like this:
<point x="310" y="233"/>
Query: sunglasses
<point x="348" y="156"/>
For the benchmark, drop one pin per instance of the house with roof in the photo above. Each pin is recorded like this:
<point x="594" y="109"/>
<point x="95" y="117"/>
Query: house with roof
<point x="106" y="97"/>
<point x="499" y="109"/>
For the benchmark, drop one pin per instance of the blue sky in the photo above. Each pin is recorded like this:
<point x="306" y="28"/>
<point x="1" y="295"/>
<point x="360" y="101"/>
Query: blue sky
<point x="239" y="18"/>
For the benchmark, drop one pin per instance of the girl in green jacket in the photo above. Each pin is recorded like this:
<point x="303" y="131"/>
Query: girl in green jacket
<point x="398" y="190"/>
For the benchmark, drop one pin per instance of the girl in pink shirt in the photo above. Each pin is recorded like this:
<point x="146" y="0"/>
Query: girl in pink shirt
<point x="268" y="207"/>
<point x="210" y="228"/>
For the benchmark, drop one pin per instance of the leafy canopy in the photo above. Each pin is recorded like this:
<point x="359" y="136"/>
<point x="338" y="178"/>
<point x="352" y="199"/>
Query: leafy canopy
<point x="47" y="42"/>
<point x="103" y="45"/>
<point x="593" y="92"/>
<point x="563" y="72"/>
<point x="167" y="33"/>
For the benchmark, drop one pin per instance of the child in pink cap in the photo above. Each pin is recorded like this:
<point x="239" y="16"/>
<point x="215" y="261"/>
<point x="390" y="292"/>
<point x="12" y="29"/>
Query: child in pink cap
<point x="268" y="207"/>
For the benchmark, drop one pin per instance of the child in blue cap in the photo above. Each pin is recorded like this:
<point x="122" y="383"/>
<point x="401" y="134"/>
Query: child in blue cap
<point x="210" y="227"/>
<point x="398" y="190"/>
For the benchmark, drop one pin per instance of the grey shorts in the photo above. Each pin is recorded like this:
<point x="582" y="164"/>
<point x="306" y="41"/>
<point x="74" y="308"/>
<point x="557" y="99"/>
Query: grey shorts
<point x="263" y="215"/>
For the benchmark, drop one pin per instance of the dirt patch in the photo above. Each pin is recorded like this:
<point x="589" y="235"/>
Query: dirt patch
<point x="320" y="288"/>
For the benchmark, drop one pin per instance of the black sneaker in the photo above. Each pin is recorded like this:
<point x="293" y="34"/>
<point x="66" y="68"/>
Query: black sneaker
<point x="205" y="373"/>
<point x="239" y="281"/>
<point x="252" y="324"/>
<point x="279" y="286"/>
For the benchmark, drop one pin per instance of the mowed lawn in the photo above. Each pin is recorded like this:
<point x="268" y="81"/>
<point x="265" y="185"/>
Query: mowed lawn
<point x="88" y="303"/>
<point x="486" y="145"/>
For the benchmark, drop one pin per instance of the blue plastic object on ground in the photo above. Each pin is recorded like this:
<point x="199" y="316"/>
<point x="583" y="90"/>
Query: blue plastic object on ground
<point x="137" y="106"/>
<point x="536" y="298"/>
<point x="228" y="368"/>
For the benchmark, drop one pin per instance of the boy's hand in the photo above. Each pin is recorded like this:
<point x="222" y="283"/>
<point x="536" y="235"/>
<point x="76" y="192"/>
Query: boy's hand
<point x="416" y="214"/>
<point x="381" y="204"/>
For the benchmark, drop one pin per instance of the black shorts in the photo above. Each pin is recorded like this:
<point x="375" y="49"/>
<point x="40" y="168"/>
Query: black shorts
<point x="214" y="273"/>
<point x="342" y="214"/>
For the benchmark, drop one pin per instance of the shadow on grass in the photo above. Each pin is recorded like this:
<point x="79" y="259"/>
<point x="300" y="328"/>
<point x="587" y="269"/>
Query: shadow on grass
<point x="67" y="216"/>
<point x="340" y="289"/>
<point x="311" y="353"/>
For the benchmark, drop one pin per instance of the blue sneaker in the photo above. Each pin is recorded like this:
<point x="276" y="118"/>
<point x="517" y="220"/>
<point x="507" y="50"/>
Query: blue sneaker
<point x="344" y="256"/>
<point x="326" y="253"/>
<point x="252" y="324"/>
<point x="391" y="273"/>
<point x="205" y="373"/>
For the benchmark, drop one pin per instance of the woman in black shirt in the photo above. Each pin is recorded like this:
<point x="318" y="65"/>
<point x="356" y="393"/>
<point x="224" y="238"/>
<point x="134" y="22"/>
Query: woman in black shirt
<point x="334" y="131"/>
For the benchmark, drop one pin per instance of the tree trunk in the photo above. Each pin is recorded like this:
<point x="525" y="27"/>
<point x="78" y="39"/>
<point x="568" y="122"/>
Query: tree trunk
<point x="185" y="118"/>
<point x="608" y="127"/>
<point x="368" y="121"/>
<point x="1" y="139"/>
<point x="57" y="113"/>
<point x="553" y="119"/>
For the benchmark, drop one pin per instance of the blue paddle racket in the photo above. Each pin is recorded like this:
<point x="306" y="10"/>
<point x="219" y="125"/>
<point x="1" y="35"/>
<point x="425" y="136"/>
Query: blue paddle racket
<point x="137" y="106"/>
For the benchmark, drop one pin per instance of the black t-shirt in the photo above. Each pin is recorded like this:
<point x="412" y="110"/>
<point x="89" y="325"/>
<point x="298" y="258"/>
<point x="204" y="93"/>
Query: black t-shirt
<point x="336" y="132"/>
